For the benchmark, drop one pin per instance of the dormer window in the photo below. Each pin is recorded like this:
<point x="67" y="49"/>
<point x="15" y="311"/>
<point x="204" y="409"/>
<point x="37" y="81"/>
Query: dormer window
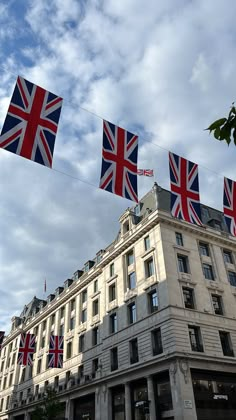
<point x="126" y="227"/>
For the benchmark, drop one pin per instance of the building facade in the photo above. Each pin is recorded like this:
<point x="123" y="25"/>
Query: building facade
<point x="149" y="326"/>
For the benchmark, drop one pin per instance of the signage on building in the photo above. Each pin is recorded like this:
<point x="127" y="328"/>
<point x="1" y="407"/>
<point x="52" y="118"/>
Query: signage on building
<point x="220" y="397"/>
<point x="188" y="404"/>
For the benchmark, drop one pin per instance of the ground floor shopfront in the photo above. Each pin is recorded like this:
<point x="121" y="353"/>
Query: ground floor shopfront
<point x="179" y="392"/>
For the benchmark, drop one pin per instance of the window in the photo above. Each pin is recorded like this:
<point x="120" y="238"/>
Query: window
<point x="156" y="342"/>
<point x="132" y="313"/>
<point x="69" y="350"/>
<point x="132" y="280"/>
<point x="72" y="305"/>
<point x="226" y="343"/>
<point x="183" y="263"/>
<point x="52" y="320"/>
<point x="112" y="292"/>
<point x="95" y="286"/>
<point x="44" y="325"/>
<point x="56" y="381"/>
<point x="228" y="258"/>
<point x="84" y="296"/>
<point x="208" y="271"/>
<point x="39" y="365"/>
<point x="113" y="323"/>
<point x="95" y="336"/>
<point x="217" y="304"/>
<point x="84" y="315"/>
<point x="81" y="371"/>
<point x="112" y="269"/>
<point x="72" y="323"/>
<point x="95" y="307"/>
<point x="95" y="364"/>
<point x="61" y="329"/>
<point x="149" y="267"/>
<point x="204" y="249"/>
<point x="179" y="239"/>
<point x="232" y="278"/>
<point x="153" y="301"/>
<point x="81" y="343"/>
<point x="195" y="338"/>
<point x="133" y="344"/>
<point x="147" y="243"/>
<point x="10" y="380"/>
<point x="130" y="258"/>
<point x="188" y="298"/>
<point x="114" y="358"/>
<point x="43" y="342"/>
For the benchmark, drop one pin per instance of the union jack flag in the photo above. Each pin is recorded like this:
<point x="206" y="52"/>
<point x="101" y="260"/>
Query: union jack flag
<point x="185" y="199"/>
<point x="119" y="161"/>
<point x="55" y="356"/>
<point x="2" y="333"/>
<point x="26" y="349"/>
<point x="145" y="172"/>
<point x="31" y="123"/>
<point x="230" y="205"/>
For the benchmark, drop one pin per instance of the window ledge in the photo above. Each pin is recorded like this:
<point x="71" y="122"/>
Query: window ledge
<point x="149" y="251"/>
<point x="150" y="281"/>
<point x="112" y="278"/>
<point x="215" y="287"/>
<point x="130" y="294"/>
<point x="182" y="249"/>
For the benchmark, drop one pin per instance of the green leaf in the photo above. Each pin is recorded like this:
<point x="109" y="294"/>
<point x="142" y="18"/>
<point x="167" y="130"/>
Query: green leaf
<point x="217" y="133"/>
<point x="216" y="124"/>
<point x="234" y="136"/>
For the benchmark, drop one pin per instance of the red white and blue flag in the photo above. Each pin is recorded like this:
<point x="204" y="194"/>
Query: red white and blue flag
<point x="230" y="205"/>
<point x="119" y="161"/>
<point x="2" y="334"/>
<point x="184" y="185"/>
<point x="145" y="172"/>
<point x="26" y="349"/>
<point x="31" y="123"/>
<point x="55" y="356"/>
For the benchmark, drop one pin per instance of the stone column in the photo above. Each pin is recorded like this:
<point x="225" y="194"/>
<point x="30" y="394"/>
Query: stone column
<point x="182" y="391"/>
<point x="69" y="414"/>
<point x="151" y="398"/>
<point x="102" y="397"/>
<point x="127" y="402"/>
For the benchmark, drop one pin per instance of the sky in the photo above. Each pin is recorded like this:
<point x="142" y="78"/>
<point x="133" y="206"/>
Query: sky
<point x="162" y="69"/>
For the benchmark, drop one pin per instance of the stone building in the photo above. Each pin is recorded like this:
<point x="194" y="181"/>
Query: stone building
<point x="149" y="326"/>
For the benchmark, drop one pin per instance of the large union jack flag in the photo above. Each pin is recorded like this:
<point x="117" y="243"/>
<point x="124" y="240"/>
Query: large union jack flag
<point x="185" y="199"/>
<point x="230" y="205"/>
<point x="55" y="356"/>
<point x="26" y="349"/>
<point x="31" y="123"/>
<point x="119" y="161"/>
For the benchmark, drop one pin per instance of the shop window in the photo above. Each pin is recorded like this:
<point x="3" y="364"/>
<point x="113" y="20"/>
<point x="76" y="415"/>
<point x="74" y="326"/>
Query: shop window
<point x="118" y="403"/>
<point x="149" y="267"/>
<point x="188" y="294"/>
<point x="133" y="344"/>
<point x="226" y="343"/>
<point x="132" y="313"/>
<point x="146" y="243"/>
<point x="114" y="358"/>
<point x="164" y="396"/>
<point x="195" y="338"/>
<point x="208" y="271"/>
<point x="113" y="323"/>
<point x="217" y="304"/>
<point x="156" y="342"/>
<point x="183" y="263"/>
<point x="179" y="239"/>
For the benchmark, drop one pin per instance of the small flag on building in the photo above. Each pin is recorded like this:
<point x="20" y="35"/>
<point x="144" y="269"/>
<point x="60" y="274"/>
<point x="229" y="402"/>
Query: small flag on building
<point x="119" y="162"/>
<point x="230" y="205"/>
<point x="145" y="172"/>
<point x="55" y="355"/>
<point x="31" y="122"/>
<point x="185" y="198"/>
<point x="26" y="349"/>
